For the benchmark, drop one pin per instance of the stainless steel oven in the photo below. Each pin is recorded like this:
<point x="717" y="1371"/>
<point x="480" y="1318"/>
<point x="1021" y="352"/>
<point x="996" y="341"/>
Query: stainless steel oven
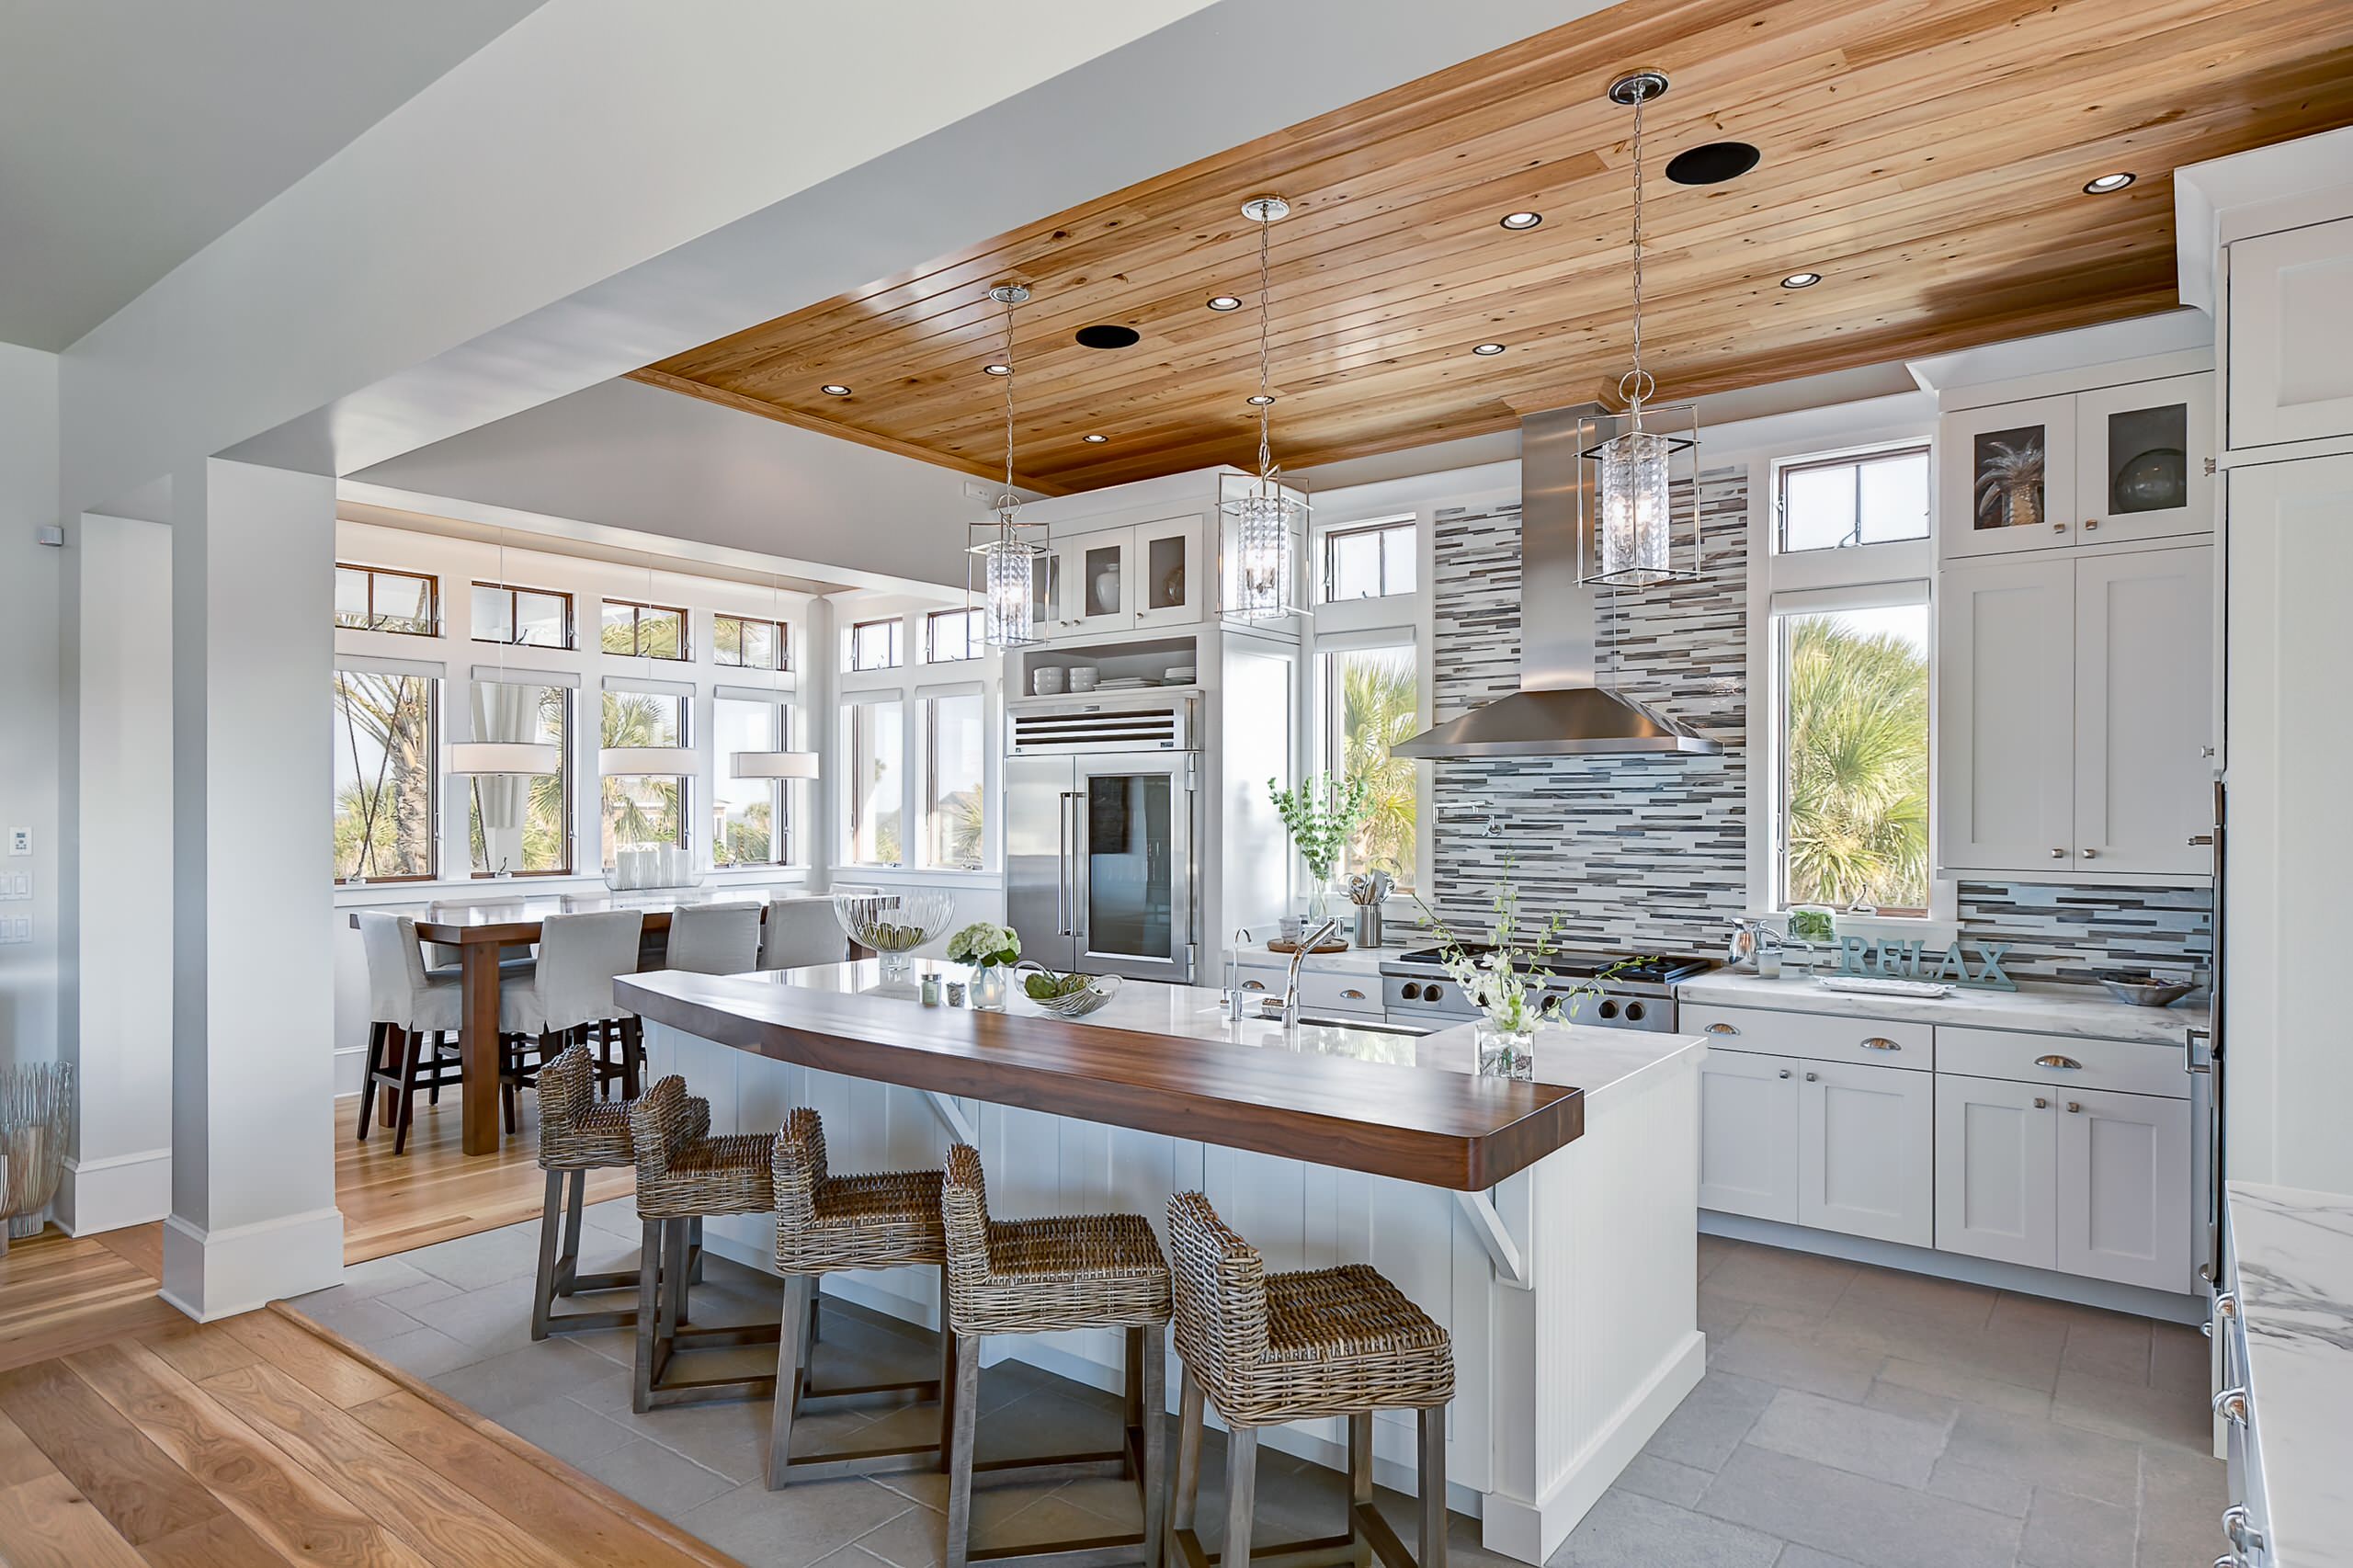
<point x="1100" y="804"/>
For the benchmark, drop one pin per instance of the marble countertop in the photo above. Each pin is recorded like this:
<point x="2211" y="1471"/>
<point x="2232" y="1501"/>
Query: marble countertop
<point x="2083" y="1010"/>
<point x="2292" y="1254"/>
<point x="1356" y="960"/>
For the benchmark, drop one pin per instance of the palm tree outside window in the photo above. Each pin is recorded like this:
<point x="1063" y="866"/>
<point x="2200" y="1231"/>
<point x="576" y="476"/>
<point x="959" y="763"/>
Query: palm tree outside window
<point x="1371" y="700"/>
<point x="387" y="813"/>
<point x="645" y="810"/>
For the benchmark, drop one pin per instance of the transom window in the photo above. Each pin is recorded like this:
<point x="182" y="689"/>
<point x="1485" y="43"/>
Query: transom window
<point x="531" y="617"/>
<point x="644" y="631"/>
<point x="742" y="644"/>
<point x="1371" y="563"/>
<point x="877" y="645"/>
<point x="1837" y="502"/>
<point x="950" y="636"/>
<point x="377" y="598"/>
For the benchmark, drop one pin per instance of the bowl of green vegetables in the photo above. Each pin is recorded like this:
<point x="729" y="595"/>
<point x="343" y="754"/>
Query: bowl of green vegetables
<point x="1068" y="995"/>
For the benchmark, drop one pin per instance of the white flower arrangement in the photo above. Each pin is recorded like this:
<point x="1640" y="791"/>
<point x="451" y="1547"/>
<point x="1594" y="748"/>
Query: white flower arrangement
<point x="1509" y="995"/>
<point x="984" y="943"/>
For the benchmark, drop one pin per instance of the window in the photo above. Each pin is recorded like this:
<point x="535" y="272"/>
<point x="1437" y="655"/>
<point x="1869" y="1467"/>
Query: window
<point x="1859" y="498"/>
<point x="375" y="598"/>
<point x="386" y="758"/>
<point x="745" y="644"/>
<point x="1371" y="700"/>
<point x="952" y="760"/>
<point x="952" y="635"/>
<point x="651" y="808"/>
<point x="749" y="816"/>
<point x="516" y="823"/>
<point x="644" y="631"/>
<point x="875" y="742"/>
<point x="1369" y="562"/>
<point x="1854" y="730"/>
<point x="877" y="644"/>
<point x="532" y="618"/>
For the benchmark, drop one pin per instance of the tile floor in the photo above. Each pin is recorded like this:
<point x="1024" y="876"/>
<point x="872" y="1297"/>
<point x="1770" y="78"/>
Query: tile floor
<point x="1851" y="1418"/>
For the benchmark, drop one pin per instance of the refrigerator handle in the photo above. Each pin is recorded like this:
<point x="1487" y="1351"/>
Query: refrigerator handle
<point x="1061" y="863"/>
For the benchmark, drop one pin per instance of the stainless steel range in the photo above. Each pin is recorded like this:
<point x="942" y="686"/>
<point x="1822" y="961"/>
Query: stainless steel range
<point x="1417" y="990"/>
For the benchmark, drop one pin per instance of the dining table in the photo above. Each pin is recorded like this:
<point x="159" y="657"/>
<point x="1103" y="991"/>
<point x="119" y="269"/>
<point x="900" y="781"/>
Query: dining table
<point x="481" y="929"/>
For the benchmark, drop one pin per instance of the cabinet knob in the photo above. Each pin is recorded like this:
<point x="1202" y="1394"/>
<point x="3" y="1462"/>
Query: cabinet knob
<point x="2205" y="750"/>
<point x="2075" y="1108"/>
<point x="2091" y="854"/>
<point x="2090" y="523"/>
<point x="2058" y="527"/>
<point x="2058" y="854"/>
<point x="1785" y="1073"/>
<point x="1814" y="1077"/>
<point x="2041" y="1104"/>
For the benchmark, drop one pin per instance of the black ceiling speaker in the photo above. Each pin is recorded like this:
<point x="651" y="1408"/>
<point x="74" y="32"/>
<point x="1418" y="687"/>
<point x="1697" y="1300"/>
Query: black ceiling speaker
<point x="1713" y="164"/>
<point x="1105" y="337"/>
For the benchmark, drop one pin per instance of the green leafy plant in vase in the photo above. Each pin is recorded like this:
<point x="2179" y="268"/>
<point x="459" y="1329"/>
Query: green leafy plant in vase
<point x="1321" y="814"/>
<point x="990" y="949"/>
<point x="1512" y="987"/>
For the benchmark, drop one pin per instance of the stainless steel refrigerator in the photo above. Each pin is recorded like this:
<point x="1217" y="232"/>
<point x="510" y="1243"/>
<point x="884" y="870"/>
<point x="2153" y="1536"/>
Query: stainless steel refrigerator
<point x="1100" y="825"/>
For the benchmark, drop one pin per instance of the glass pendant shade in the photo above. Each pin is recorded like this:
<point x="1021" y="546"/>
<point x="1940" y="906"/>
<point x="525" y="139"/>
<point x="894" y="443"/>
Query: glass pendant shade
<point x="772" y="764"/>
<point x="1008" y="593"/>
<point x="491" y="757"/>
<point x="659" y="762"/>
<point x="1637" y="512"/>
<point x="1262" y="555"/>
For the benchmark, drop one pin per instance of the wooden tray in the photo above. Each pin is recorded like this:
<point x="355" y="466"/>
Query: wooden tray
<point x="1277" y="945"/>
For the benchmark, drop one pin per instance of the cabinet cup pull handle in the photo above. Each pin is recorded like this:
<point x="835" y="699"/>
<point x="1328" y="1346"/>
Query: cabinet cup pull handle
<point x="2075" y="1108"/>
<point x="1723" y="1028"/>
<point x="2068" y="1062"/>
<point x="2090" y="523"/>
<point x="1353" y="994"/>
<point x="1254" y="985"/>
<point x="2058" y="527"/>
<point x="1881" y="1042"/>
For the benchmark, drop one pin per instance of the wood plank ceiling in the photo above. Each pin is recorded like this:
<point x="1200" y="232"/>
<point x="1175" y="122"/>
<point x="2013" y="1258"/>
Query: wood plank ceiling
<point x="1927" y="157"/>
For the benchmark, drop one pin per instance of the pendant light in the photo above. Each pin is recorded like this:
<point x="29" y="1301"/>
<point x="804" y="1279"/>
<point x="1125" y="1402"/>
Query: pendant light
<point x="648" y="762"/>
<point x="1635" y="525"/>
<point x="490" y="760"/>
<point x="782" y="761"/>
<point x="1006" y="562"/>
<point x="1261" y="582"/>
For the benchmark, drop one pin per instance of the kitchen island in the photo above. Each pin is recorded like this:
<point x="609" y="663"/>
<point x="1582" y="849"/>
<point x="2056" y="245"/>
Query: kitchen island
<point x="1550" y="1226"/>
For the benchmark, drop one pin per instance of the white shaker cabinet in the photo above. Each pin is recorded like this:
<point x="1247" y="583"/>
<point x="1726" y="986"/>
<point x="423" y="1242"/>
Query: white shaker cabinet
<point x="2007" y="477"/>
<point x="2145" y="710"/>
<point x="2288" y="336"/>
<point x="2141" y="456"/>
<point x="1995" y="1169"/>
<point x="2006" y="714"/>
<point x="1128" y="579"/>
<point x="1748" y="1135"/>
<point x="2122" y="1183"/>
<point x="1860" y="1140"/>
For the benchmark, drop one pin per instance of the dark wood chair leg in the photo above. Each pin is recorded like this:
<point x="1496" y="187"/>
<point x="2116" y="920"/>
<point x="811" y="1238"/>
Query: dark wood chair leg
<point x="967" y="1398"/>
<point x="433" y="1090"/>
<point x="367" y="1075"/>
<point x="632" y="1056"/>
<point x="409" y="1044"/>
<point x="543" y="1288"/>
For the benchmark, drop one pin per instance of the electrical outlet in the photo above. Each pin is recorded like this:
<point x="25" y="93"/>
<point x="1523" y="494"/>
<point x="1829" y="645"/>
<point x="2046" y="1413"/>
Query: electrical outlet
<point x="21" y="841"/>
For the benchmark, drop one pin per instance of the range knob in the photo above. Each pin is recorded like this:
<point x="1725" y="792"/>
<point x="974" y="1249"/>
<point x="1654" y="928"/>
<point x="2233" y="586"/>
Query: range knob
<point x="1607" y="1009"/>
<point x="1433" y="993"/>
<point x="1634" y="1012"/>
<point x="1413" y="992"/>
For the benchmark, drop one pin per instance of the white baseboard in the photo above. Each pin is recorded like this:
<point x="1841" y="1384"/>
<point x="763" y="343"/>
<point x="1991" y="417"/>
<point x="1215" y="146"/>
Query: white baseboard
<point x="1531" y="1532"/>
<point x="2137" y="1299"/>
<point x="350" y="1069"/>
<point x="114" y="1192"/>
<point x="219" y="1273"/>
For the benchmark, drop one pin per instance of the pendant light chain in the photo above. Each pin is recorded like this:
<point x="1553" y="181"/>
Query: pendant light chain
<point x="1265" y="406"/>
<point x="1004" y="506"/>
<point x="1641" y="92"/>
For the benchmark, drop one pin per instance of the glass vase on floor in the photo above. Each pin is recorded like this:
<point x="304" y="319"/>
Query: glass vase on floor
<point x="988" y="987"/>
<point x="1505" y="1053"/>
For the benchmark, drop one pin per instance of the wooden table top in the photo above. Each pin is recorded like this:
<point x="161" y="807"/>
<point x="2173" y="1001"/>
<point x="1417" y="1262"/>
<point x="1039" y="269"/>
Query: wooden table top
<point x="516" y="917"/>
<point x="1356" y="1099"/>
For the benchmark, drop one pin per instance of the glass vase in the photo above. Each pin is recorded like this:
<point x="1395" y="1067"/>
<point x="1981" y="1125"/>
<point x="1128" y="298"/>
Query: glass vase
<point x="1505" y="1053"/>
<point x="988" y="987"/>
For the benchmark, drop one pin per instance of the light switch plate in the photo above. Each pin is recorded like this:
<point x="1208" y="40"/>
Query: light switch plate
<point x="16" y="884"/>
<point x="21" y="841"/>
<point x="16" y="928"/>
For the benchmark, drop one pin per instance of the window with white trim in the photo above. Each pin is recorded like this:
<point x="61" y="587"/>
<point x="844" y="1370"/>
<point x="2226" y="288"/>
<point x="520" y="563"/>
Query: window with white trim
<point x="521" y="824"/>
<point x="877" y="645"/>
<point x="1371" y="561"/>
<point x="874" y="746"/>
<point x="954" y="767"/>
<point x="1369" y="680"/>
<point x="644" y="809"/>
<point x="952" y="636"/>
<point x="1851" y="499"/>
<point x="751" y="818"/>
<point x="387" y="769"/>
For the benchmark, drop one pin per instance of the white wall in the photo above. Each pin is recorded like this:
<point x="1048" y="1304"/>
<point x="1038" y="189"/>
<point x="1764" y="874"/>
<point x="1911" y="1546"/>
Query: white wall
<point x="627" y="455"/>
<point x="30" y="682"/>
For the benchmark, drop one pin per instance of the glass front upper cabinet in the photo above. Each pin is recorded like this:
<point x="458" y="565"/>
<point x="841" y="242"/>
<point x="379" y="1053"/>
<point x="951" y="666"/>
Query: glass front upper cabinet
<point x="1123" y="579"/>
<point x="2141" y="468"/>
<point x="2007" y="477"/>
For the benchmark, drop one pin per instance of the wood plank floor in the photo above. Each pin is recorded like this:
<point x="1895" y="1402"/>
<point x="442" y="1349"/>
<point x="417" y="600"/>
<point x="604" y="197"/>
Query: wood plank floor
<point x="435" y="1192"/>
<point x="130" y="1435"/>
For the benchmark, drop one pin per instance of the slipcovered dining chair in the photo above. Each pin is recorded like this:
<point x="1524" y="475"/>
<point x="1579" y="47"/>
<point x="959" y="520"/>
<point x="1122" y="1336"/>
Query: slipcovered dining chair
<point x="410" y="1014"/>
<point x="801" y="932"/>
<point x="571" y="993"/>
<point x="714" y="939"/>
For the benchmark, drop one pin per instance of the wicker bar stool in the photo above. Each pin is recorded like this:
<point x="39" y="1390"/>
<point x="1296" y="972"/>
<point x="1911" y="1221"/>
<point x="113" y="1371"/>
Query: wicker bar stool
<point x="1038" y="1277"/>
<point x="578" y="1133"/>
<point x="683" y="1176"/>
<point x="827" y="1224"/>
<point x="1268" y="1349"/>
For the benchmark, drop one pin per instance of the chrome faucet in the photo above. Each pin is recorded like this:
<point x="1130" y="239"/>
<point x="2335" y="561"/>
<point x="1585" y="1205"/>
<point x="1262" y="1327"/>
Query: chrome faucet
<point x="1287" y="1006"/>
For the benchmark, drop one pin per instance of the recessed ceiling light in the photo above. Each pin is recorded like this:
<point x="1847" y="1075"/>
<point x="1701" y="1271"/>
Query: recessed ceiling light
<point x="1095" y="440"/>
<point x="1801" y="281"/>
<point x="996" y="369"/>
<point x="1713" y="163"/>
<point x="834" y="388"/>
<point x="1108" y="336"/>
<point x="1487" y="348"/>
<point x="2106" y="183"/>
<point x="1224" y="303"/>
<point x="1261" y="400"/>
<point x="1520" y="219"/>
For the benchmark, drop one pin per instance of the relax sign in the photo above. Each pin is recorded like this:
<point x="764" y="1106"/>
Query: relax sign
<point x="1883" y="960"/>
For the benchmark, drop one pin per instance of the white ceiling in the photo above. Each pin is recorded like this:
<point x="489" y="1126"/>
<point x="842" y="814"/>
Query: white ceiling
<point x="134" y="132"/>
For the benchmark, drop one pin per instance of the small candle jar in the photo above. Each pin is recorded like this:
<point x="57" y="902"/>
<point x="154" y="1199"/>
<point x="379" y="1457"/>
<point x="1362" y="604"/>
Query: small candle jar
<point x="931" y="990"/>
<point x="955" y="993"/>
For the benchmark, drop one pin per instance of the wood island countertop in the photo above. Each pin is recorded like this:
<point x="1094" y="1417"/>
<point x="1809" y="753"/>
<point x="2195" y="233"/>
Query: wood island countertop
<point x="1162" y="1059"/>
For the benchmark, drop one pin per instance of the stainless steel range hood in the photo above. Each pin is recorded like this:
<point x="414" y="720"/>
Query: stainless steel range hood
<point x="1559" y="711"/>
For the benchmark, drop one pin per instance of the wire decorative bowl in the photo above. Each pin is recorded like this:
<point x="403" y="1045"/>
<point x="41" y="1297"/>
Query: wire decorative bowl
<point x="893" y="922"/>
<point x="1098" y="989"/>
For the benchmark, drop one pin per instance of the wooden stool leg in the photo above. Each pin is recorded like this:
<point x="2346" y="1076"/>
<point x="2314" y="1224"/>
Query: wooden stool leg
<point x="410" y="1041"/>
<point x="544" y="1287"/>
<point x="1433" y="1487"/>
<point x="947" y="1369"/>
<point x="694" y="1263"/>
<point x="649" y="1296"/>
<point x="674" y="1273"/>
<point x="1241" y="1492"/>
<point x="575" y="1208"/>
<point x="791" y="1361"/>
<point x="368" y="1077"/>
<point x="960" y="1461"/>
<point x="1359" y="1482"/>
<point x="1154" y="1388"/>
<point x="1185" y="1486"/>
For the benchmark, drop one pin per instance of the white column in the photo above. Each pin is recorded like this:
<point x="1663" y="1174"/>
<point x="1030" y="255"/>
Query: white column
<point x="253" y="1172"/>
<point x="116" y="860"/>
